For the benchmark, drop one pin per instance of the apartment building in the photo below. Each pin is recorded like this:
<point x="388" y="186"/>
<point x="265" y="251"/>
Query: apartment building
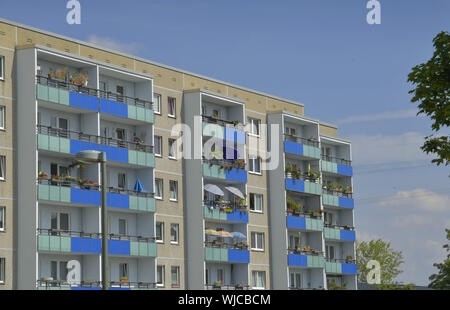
<point x="204" y="192"/>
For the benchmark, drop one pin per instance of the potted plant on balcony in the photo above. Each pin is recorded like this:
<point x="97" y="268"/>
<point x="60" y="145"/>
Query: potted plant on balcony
<point x="61" y="74"/>
<point x="339" y="187"/>
<point x="42" y="175"/>
<point x="235" y="122"/>
<point x="79" y="79"/>
<point x="50" y="73"/>
<point x="314" y="175"/>
<point x="123" y="279"/>
<point x="297" y="173"/>
<point x="349" y="259"/>
<point x="215" y="115"/>
<point x="288" y="170"/>
<point x="347" y="189"/>
<point x="57" y="178"/>
<point x="240" y="163"/>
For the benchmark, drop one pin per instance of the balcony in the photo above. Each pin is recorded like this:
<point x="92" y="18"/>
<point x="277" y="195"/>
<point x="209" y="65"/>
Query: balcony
<point x="306" y="257"/>
<point x="303" y="183"/>
<point x="337" y="198"/>
<point x="92" y="285"/>
<point x="50" y="240"/>
<point x="223" y="129"/>
<point x="87" y="193"/>
<point x="228" y="287"/>
<point x="230" y="170"/>
<point x="90" y="99"/>
<point x="301" y="146"/>
<point x="341" y="233"/>
<point x="340" y="266"/>
<point x="304" y="223"/>
<point x="225" y="211"/>
<point x="224" y="252"/>
<point x="337" y="166"/>
<point x="70" y="142"/>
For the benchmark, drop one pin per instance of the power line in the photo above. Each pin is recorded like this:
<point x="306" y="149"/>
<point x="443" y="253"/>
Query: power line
<point x="375" y="199"/>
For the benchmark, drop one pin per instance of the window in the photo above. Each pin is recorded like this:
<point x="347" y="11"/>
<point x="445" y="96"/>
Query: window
<point x="157" y="103"/>
<point x="291" y="131"/>
<point x="2" y="218"/>
<point x="159" y="189"/>
<point x="121" y="180"/>
<point x="172" y="105"/>
<point x="256" y="202"/>
<point x="60" y="221"/>
<point x="328" y="218"/>
<point x="207" y="276"/>
<point x="58" y="270"/>
<point x="294" y="241"/>
<point x="175" y="272"/>
<point x="120" y="92"/>
<point x="123" y="271"/>
<point x="158" y="146"/>
<point x="329" y="251"/>
<point x="2" y="270"/>
<point x="2" y="68"/>
<point x="174" y="229"/>
<point x="254" y="125"/>
<point x="173" y="190"/>
<point x="160" y="274"/>
<point x="159" y="232"/>
<point x="172" y="148"/>
<point x="2" y="168"/>
<point x="254" y="164"/>
<point x="259" y="279"/>
<point x="122" y="227"/>
<point x="257" y="241"/>
<point x="2" y="117"/>
<point x="295" y="280"/>
<point x="220" y="277"/>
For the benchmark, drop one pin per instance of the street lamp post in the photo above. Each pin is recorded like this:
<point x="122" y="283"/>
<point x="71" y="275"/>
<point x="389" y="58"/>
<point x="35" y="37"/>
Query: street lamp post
<point x="95" y="157"/>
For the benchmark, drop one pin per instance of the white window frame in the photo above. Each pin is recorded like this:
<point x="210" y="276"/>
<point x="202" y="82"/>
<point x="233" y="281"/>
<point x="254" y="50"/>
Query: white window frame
<point x="255" y="274"/>
<point x="160" y="139"/>
<point x="2" y="68"/>
<point x="177" y="235"/>
<point x="126" y="226"/>
<point x="254" y="159"/>
<point x="172" y="148"/>
<point x="293" y="276"/>
<point x="157" y="103"/>
<point x="262" y="203"/>
<point x="254" y="122"/>
<point x="176" y="190"/>
<point x="58" y="220"/>
<point x="2" y="117"/>
<point x="124" y="180"/>
<point x="162" y="233"/>
<point x="159" y="181"/>
<point x="2" y="218"/>
<point x="2" y="167"/>
<point x="58" y="269"/>
<point x="174" y="101"/>
<point x="127" y="269"/>
<point x="2" y="270"/>
<point x="259" y="238"/>
<point x="163" y="275"/>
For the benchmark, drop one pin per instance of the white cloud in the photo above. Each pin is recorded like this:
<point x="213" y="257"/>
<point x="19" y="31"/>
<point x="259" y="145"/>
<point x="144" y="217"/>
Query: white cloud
<point x="417" y="200"/>
<point x="382" y="149"/>
<point x="389" y="115"/>
<point x="412" y="220"/>
<point x="129" y="48"/>
<point x="365" y="236"/>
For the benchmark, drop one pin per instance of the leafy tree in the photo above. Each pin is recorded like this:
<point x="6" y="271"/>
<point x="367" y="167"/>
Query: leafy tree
<point x="382" y="252"/>
<point x="432" y="82"/>
<point x="441" y="280"/>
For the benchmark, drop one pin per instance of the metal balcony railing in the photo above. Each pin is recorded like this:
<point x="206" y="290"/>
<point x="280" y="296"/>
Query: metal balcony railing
<point x="345" y="227"/>
<point x="334" y="192"/>
<point x="79" y="234"/>
<point x="228" y="163"/>
<point x="222" y="122"/>
<point x="340" y="260"/>
<point x="224" y="204"/>
<point x="224" y="245"/>
<point x="303" y="251"/>
<point x="231" y="287"/>
<point x="301" y="140"/>
<point x="303" y="177"/>
<point x="304" y="214"/>
<point x="80" y="136"/>
<point x="42" y="80"/>
<point x="336" y="160"/>
<point x="51" y="284"/>
<point x="73" y="182"/>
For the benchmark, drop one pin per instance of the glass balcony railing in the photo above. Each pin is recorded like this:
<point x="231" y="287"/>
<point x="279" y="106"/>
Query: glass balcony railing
<point x="229" y="287"/>
<point x="305" y="251"/>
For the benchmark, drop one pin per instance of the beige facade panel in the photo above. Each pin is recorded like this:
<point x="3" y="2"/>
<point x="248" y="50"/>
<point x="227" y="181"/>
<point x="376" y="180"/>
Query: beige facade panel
<point x="260" y="257"/>
<point x="168" y="264"/>
<point x="259" y="218"/>
<point x="252" y="101"/>
<point x="328" y="130"/>
<point x="106" y="57"/>
<point x="167" y="248"/>
<point x="25" y="37"/>
<point x="276" y="105"/>
<point x="163" y="77"/>
<point x="7" y="35"/>
<point x="193" y="82"/>
<point x="7" y="186"/>
<point x="6" y="134"/>
<point x="163" y="120"/>
<point x="165" y="205"/>
<point x="264" y="268"/>
<point x="8" y="256"/>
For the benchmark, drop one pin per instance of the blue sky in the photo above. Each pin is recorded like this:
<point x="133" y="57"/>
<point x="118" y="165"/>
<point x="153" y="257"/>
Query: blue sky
<point x="320" y="53"/>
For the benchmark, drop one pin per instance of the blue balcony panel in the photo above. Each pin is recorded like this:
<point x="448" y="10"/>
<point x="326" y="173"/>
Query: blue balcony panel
<point x="297" y="260"/>
<point x="118" y="201"/>
<point x="84" y="196"/>
<point x="86" y="245"/>
<point x="293" y="148"/>
<point x="296" y="222"/>
<point x="238" y="175"/>
<point x="345" y="170"/>
<point x="347" y="235"/>
<point x="118" y="247"/>
<point x="238" y="216"/>
<point x="295" y="185"/>
<point x="235" y="135"/>
<point x="238" y="256"/>
<point x="349" y="268"/>
<point x="346" y="202"/>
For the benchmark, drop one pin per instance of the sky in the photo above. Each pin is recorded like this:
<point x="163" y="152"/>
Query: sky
<point x="321" y="53"/>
